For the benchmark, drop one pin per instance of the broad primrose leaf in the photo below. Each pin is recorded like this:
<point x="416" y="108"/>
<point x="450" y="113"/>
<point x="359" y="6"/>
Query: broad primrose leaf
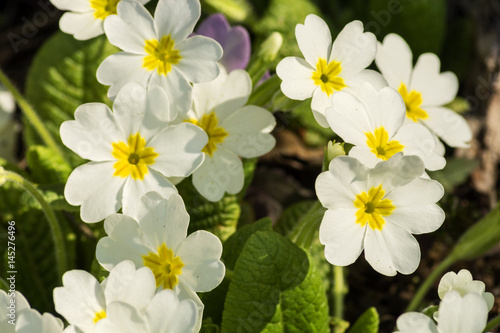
<point x="291" y="216"/>
<point x="268" y="265"/>
<point x="46" y="167"/>
<point x="63" y="77"/>
<point x="368" y="322"/>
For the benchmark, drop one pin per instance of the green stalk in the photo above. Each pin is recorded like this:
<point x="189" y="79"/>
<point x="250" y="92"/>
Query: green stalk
<point x="424" y="288"/>
<point x="492" y="324"/>
<point x="32" y="116"/>
<point x="338" y="292"/>
<point x="55" y="227"/>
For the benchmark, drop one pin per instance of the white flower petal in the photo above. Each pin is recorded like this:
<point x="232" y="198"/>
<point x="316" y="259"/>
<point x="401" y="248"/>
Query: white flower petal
<point x="177" y="88"/>
<point x="92" y="132"/>
<point x="391" y="249"/>
<point x="342" y="236"/>
<point x="167" y="314"/>
<point x="120" y="68"/>
<point x="335" y="192"/>
<point x="248" y="131"/>
<point x="79" y="299"/>
<point x="353" y="48"/>
<point x="79" y="6"/>
<point x="415" y="322"/>
<point x="320" y="103"/>
<point x="94" y="187"/>
<point x="131" y="28"/>
<point x="394" y="59"/>
<point x="82" y="26"/>
<point x="163" y="220"/>
<point x="417" y="140"/>
<point x="177" y="18"/>
<point x="296" y="74"/>
<point x="131" y="286"/>
<point x="223" y="172"/>
<point x="224" y="95"/>
<point x="32" y="322"/>
<point x="398" y="171"/>
<point x="348" y="118"/>
<point x="466" y="314"/>
<point x="200" y="252"/>
<point x="179" y="148"/>
<point x="364" y="155"/>
<point x="122" y="317"/>
<point x="134" y="189"/>
<point x="418" y="219"/>
<point x="314" y="39"/>
<point x="355" y="80"/>
<point x="436" y="88"/>
<point x="199" y="58"/>
<point x="124" y="242"/>
<point x="449" y="126"/>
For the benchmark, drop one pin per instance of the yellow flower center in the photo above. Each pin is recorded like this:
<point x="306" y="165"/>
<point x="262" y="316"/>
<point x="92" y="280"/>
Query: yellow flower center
<point x="215" y="134"/>
<point x="104" y="8"/>
<point x="99" y="315"/>
<point x="133" y="157"/>
<point x="326" y="76"/>
<point x="161" y="55"/>
<point x="412" y="100"/>
<point x="380" y="144"/>
<point x="165" y="266"/>
<point x="371" y="207"/>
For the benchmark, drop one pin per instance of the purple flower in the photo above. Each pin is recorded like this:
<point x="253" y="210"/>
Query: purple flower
<point x="235" y="41"/>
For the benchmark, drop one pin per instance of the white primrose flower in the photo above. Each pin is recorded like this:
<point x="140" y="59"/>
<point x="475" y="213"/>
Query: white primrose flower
<point x="458" y="314"/>
<point x="377" y="210"/>
<point x="233" y="128"/>
<point x="463" y="283"/>
<point x="85" y="18"/>
<point x="157" y="52"/>
<point x="328" y="68"/>
<point x="83" y="302"/>
<point x="424" y="89"/>
<point x="374" y="122"/>
<point x="165" y="313"/>
<point x="132" y="151"/>
<point x="158" y="240"/>
<point x="15" y="309"/>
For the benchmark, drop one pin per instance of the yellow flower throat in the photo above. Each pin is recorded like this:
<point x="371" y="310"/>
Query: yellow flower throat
<point x="327" y="76"/>
<point x="161" y="55"/>
<point x="104" y="8"/>
<point x="209" y="123"/>
<point x="133" y="157"/>
<point x="165" y="266"/>
<point x="372" y="207"/>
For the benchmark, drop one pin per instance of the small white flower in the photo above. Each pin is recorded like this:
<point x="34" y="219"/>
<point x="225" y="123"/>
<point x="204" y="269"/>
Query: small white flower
<point x="132" y="151"/>
<point x="17" y="309"/>
<point x="328" y="68"/>
<point x="83" y="302"/>
<point x="158" y="240"/>
<point x="463" y="283"/>
<point x="166" y="314"/>
<point x="377" y="210"/>
<point x="157" y="51"/>
<point x="424" y="89"/>
<point x="85" y="18"/>
<point x="458" y="314"/>
<point x="374" y="122"/>
<point x="233" y="130"/>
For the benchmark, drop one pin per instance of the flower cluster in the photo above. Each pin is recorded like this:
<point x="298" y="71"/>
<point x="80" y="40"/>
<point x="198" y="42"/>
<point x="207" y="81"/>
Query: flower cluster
<point x="378" y="195"/>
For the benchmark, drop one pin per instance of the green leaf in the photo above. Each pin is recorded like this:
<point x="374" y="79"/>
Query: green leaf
<point x="430" y="310"/>
<point x="292" y="215"/>
<point x="456" y="171"/>
<point x="479" y="238"/>
<point x="368" y="322"/>
<point x="63" y="77"/>
<point x="46" y="167"/>
<point x="53" y="195"/>
<point x="268" y="265"/>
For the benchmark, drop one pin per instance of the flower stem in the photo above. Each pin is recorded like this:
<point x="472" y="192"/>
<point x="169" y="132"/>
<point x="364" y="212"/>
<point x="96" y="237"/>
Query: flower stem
<point x="492" y="324"/>
<point x="438" y="271"/>
<point x="303" y="235"/>
<point x="55" y="227"/>
<point x="338" y="291"/>
<point x="32" y="116"/>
